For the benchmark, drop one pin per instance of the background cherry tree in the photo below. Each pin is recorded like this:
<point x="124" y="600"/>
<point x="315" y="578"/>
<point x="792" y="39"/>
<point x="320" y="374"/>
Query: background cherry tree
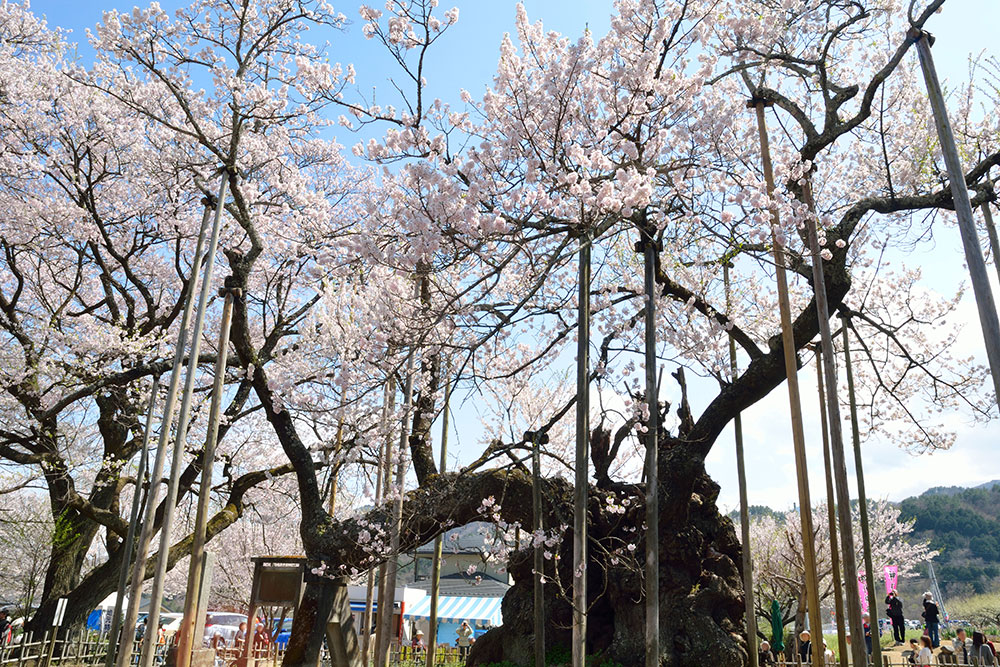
<point x="779" y="573"/>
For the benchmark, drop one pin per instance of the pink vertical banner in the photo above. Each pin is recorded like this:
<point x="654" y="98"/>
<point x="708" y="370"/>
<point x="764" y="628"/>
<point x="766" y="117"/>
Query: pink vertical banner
<point x="863" y="593"/>
<point x="891" y="578"/>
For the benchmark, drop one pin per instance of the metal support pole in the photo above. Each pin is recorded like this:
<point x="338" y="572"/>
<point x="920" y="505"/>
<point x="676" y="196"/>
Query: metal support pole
<point x="866" y="540"/>
<point x="170" y="502"/>
<point x="146" y="534"/>
<point x="579" y="636"/>
<point x="394" y="528"/>
<point x="831" y="503"/>
<point x="741" y="473"/>
<point x="439" y="540"/>
<point x="963" y="208"/>
<point x="648" y="247"/>
<point x="114" y="640"/>
<point x="794" y="401"/>
<point x="991" y="231"/>
<point x="191" y="623"/>
<point x="537" y="439"/>
<point x="847" y="550"/>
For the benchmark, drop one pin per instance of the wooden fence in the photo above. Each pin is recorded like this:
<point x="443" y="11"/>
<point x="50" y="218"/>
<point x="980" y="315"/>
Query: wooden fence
<point x="74" y="649"/>
<point x="88" y="648"/>
<point x="895" y="660"/>
<point x="71" y="648"/>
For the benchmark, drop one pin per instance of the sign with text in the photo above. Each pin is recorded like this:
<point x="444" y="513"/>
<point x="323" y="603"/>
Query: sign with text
<point x="891" y="577"/>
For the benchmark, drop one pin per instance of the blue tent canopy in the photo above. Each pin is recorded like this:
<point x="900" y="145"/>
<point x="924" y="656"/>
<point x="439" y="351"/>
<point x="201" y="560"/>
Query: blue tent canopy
<point x="458" y="609"/>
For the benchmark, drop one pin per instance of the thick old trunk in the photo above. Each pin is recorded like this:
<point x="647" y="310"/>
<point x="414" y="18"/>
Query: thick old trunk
<point x="701" y="596"/>
<point x="701" y="599"/>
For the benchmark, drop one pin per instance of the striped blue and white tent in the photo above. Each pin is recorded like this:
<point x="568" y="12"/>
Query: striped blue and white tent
<point x="458" y="609"/>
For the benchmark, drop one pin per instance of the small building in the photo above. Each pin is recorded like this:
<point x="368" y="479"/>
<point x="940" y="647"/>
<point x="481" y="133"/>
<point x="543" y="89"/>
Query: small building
<point x="463" y="552"/>
<point x="460" y="598"/>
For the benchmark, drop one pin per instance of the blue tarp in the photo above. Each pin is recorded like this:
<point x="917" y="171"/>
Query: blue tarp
<point x="94" y="620"/>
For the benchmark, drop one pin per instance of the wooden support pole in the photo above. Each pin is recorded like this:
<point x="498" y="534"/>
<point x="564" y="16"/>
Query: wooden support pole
<point x="392" y="566"/>
<point x="335" y="469"/>
<point x="794" y="401"/>
<point x="124" y="658"/>
<point x="741" y="473"/>
<point x="390" y="405"/>
<point x="245" y="652"/>
<point x="831" y="502"/>
<point x="191" y="623"/>
<point x="579" y="636"/>
<point x="366" y="634"/>
<point x="439" y="540"/>
<point x="963" y="207"/>
<point x="648" y="247"/>
<point x="859" y="653"/>
<point x="866" y="540"/>
<point x="115" y="637"/>
<point x="537" y="439"/>
<point x="173" y="482"/>
<point x="991" y="231"/>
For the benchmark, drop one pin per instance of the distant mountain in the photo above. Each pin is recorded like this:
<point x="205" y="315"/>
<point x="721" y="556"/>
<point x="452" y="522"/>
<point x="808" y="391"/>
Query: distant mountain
<point x="953" y="490"/>
<point x="964" y="525"/>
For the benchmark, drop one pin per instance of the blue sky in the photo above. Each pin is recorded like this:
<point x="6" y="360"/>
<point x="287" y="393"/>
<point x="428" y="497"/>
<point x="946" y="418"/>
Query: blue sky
<point x="466" y="58"/>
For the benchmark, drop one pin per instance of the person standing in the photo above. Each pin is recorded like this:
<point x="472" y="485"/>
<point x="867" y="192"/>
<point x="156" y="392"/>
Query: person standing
<point x="866" y="623"/>
<point x="417" y="644"/>
<point x="261" y="641"/>
<point x="241" y="636"/>
<point x="828" y="657"/>
<point x="464" y="633"/>
<point x="932" y="618"/>
<point x="894" y="610"/>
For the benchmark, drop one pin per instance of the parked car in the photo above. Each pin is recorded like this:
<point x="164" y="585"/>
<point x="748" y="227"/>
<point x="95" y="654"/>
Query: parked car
<point x="171" y="623"/>
<point x="223" y="623"/>
<point x="281" y="639"/>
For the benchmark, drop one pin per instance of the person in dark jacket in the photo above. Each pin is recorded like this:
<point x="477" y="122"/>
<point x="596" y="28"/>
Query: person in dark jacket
<point x="5" y="627"/>
<point x="805" y="647"/>
<point x="764" y="655"/>
<point x="932" y="617"/>
<point x="894" y="610"/>
<point x="866" y="624"/>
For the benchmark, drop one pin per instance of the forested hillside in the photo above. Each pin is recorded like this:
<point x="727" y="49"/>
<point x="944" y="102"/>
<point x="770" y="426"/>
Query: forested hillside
<point x="964" y="525"/>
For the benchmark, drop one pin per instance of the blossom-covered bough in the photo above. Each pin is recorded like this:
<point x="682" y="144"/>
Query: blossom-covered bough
<point x="103" y="169"/>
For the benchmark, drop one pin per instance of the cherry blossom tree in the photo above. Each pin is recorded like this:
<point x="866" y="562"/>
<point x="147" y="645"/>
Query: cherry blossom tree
<point x="25" y="532"/>
<point x="456" y="263"/>
<point x="645" y="127"/>
<point x="104" y="188"/>
<point x="779" y="573"/>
